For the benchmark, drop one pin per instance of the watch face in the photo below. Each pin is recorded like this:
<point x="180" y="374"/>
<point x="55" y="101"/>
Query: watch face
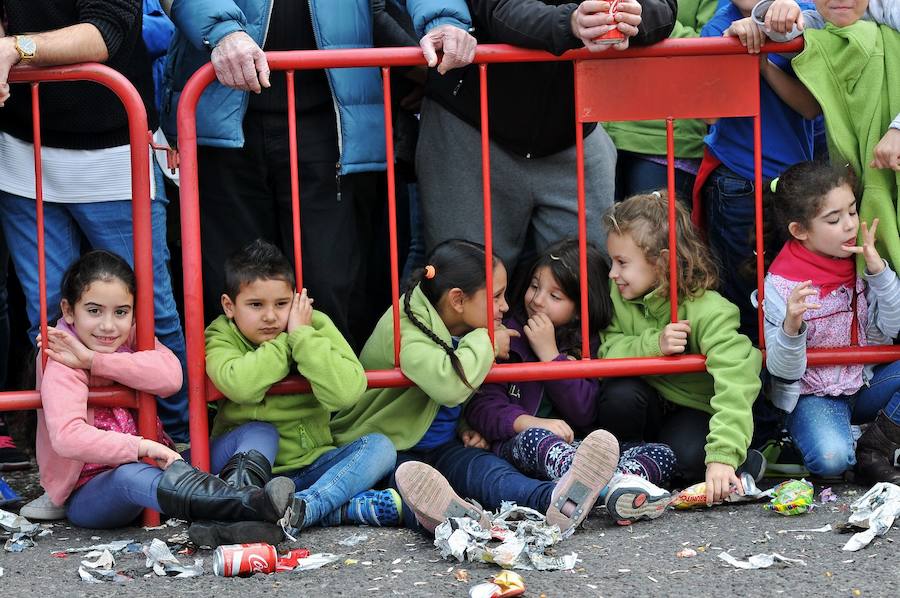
<point x="27" y="44"/>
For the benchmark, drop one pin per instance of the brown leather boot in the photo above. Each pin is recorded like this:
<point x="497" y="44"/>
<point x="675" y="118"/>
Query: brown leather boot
<point x="877" y="452"/>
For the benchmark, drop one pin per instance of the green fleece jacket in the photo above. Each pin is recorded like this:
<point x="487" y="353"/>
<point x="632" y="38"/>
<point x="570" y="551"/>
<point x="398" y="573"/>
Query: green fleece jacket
<point x="405" y="414"/>
<point x="244" y="373"/>
<point x="854" y="73"/>
<point x="731" y="382"/>
<point x="649" y="136"/>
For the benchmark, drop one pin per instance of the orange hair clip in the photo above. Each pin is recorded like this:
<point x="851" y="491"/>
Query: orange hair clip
<point x="429" y="271"/>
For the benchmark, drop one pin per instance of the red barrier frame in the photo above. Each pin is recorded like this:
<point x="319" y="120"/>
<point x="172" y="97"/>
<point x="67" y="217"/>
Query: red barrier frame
<point x="662" y="95"/>
<point x="140" y="139"/>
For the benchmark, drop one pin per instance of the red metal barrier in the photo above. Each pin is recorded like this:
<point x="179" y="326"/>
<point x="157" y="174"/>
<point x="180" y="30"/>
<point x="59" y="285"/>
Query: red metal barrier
<point x="684" y="78"/>
<point x="140" y="138"/>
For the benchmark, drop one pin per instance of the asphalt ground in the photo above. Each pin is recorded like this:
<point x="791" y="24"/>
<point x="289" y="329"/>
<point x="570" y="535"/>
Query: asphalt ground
<point x="638" y="560"/>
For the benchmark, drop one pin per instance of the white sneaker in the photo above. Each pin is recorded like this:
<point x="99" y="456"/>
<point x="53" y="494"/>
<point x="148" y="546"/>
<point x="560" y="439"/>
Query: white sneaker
<point x="42" y="509"/>
<point x="630" y="498"/>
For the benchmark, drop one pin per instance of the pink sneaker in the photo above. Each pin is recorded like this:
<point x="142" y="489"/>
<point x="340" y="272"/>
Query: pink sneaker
<point x="431" y="498"/>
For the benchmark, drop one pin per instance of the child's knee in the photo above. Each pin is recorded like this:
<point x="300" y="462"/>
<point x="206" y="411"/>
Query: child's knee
<point x="381" y="451"/>
<point x="829" y="460"/>
<point x="263" y="437"/>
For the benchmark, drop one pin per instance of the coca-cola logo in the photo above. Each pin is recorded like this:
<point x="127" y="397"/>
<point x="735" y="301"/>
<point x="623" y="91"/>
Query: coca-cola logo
<point x="257" y="563"/>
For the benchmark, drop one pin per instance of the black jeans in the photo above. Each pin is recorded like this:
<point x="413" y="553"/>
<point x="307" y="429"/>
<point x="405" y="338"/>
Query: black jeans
<point x="245" y="194"/>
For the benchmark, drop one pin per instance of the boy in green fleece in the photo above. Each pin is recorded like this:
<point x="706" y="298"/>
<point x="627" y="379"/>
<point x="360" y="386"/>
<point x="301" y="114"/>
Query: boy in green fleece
<point x="268" y="331"/>
<point x="705" y="417"/>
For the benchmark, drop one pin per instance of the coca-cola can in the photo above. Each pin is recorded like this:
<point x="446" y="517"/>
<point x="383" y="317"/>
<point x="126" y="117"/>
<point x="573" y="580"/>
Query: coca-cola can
<point x="237" y="560"/>
<point x="613" y="36"/>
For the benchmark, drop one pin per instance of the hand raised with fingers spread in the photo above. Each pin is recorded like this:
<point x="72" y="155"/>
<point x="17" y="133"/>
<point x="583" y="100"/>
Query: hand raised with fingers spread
<point x="797" y="306"/>
<point x="240" y="63"/>
<point x="673" y="339"/>
<point x="721" y="481"/>
<point x="874" y="263"/>
<point x="457" y="45"/>
<point x="301" y="311"/>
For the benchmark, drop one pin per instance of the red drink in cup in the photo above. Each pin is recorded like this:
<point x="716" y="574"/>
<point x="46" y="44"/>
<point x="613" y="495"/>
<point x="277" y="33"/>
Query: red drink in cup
<point x="613" y="36"/>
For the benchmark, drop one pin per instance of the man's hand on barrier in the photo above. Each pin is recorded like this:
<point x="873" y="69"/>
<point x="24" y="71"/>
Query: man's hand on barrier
<point x="782" y="15"/>
<point x="9" y="57"/>
<point x="457" y="45"/>
<point x="887" y="153"/>
<point x="749" y="33"/>
<point x="240" y="63"/>
<point x="592" y="19"/>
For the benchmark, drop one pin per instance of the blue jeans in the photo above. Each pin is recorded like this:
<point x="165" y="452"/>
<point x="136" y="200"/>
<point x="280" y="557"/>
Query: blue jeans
<point x="329" y="482"/>
<point x="636" y="174"/>
<point x="820" y="426"/>
<point x="728" y="199"/>
<point x="115" y="497"/>
<point x="104" y="225"/>
<point x="480" y="475"/>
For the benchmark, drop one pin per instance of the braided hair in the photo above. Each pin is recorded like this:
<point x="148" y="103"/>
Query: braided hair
<point x="452" y="264"/>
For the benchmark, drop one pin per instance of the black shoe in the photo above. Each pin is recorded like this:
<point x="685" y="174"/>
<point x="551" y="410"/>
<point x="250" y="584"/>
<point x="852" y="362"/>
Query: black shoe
<point x="247" y="469"/>
<point x="188" y="493"/>
<point x="754" y="464"/>
<point x="10" y="456"/>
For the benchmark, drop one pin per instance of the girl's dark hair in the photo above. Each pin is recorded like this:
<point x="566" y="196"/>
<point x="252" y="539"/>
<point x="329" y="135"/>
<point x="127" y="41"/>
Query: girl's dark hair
<point x="95" y="265"/>
<point x="562" y="260"/>
<point x="798" y="196"/>
<point x="457" y="264"/>
<point x="646" y="219"/>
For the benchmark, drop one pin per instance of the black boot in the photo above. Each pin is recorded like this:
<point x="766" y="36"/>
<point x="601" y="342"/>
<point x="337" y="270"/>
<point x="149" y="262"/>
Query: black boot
<point x="877" y="451"/>
<point x="242" y="470"/>
<point x="188" y="493"/>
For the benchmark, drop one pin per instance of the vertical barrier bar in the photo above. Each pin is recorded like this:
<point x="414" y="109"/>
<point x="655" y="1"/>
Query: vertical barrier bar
<point x="582" y="230"/>
<point x="295" y="180"/>
<point x="673" y="249"/>
<point x="39" y="206"/>
<point x="392" y="209"/>
<point x="757" y="183"/>
<point x="486" y="178"/>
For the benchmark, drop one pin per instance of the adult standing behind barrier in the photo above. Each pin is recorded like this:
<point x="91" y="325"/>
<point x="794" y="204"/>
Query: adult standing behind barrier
<point x="243" y="161"/>
<point x="86" y="157"/>
<point x="532" y="119"/>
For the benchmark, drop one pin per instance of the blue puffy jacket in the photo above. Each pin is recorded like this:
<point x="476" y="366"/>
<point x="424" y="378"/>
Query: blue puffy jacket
<point x="336" y="24"/>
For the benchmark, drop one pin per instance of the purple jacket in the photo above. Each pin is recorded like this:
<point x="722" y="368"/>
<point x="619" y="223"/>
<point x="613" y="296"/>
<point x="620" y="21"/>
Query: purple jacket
<point x="496" y="406"/>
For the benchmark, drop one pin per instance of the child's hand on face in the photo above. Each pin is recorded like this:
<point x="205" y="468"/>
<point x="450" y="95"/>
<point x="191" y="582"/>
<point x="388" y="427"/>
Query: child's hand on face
<point x="541" y="336"/>
<point x="783" y="15"/>
<point x="748" y="32"/>
<point x="163" y="455"/>
<point x="720" y="482"/>
<point x="301" y="311"/>
<point x="797" y="306"/>
<point x="673" y="339"/>
<point x="502" y="336"/>
<point x="67" y="350"/>
<point x="874" y="264"/>
<point x="472" y="439"/>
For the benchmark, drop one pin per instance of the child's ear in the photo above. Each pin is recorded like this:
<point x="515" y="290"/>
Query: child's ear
<point x="455" y="299"/>
<point x="798" y="231"/>
<point x="227" y="306"/>
<point x="68" y="311"/>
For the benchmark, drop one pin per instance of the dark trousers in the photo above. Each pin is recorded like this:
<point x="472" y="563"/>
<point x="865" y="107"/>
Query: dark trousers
<point x="245" y="194"/>
<point x="635" y="174"/>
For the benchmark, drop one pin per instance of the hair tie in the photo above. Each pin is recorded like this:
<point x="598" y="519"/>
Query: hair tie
<point x="657" y="195"/>
<point x="429" y="271"/>
<point x="774" y="185"/>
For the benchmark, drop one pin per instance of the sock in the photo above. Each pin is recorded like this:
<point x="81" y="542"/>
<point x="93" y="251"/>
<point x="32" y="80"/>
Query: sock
<point x="378" y="508"/>
<point x="653" y="462"/>
<point x="539" y="453"/>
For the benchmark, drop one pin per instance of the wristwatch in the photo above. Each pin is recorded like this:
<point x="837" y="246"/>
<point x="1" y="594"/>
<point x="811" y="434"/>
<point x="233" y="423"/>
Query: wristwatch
<point x="26" y="48"/>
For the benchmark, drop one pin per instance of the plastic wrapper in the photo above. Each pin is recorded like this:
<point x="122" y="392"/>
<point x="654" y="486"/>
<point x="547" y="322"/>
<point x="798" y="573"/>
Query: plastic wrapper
<point x="876" y="511"/>
<point x="695" y="496"/>
<point x="315" y="561"/>
<point x="792" y="497"/>
<point x="759" y="561"/>
<point x="164" y="563"/>
<point x="504" y="585"/>
<point x="517" y="539"/>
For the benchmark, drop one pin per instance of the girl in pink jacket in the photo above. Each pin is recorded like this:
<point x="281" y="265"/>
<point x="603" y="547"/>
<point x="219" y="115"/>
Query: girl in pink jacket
<point x="92" y="459"/>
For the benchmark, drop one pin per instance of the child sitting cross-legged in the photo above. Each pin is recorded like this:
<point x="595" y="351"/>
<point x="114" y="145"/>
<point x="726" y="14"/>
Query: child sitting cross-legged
<point x="269" y="330"/>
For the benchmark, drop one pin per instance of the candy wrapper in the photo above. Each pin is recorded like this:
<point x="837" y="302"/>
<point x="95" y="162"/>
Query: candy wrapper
<point x="695" y="496"/>
<point x="792" y="497"/>
<point x="876" y="510"/>
<point x="505" y="585"/>
<point x="523" y="535"/>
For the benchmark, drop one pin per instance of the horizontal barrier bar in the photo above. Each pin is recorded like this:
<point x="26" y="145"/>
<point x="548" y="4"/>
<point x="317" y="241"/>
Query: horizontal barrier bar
<point x="112" y="396"/>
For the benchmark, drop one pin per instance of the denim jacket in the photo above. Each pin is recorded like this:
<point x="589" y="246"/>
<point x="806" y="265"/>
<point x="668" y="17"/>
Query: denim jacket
<point x="336" y="24"/>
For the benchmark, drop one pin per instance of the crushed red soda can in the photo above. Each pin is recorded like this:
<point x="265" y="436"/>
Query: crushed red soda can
<point x="239" y="560"/>
<point x="613" y="36"/>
